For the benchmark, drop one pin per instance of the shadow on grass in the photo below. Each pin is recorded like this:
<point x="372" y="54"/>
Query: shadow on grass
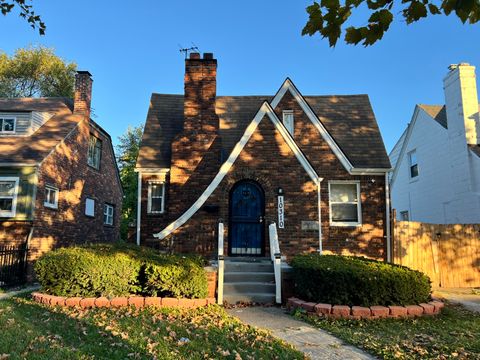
<point x="32" y="331"/>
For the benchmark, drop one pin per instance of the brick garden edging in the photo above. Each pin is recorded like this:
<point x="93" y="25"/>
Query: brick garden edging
<point x="137" y="301"/>
<point x="360" y="312"/>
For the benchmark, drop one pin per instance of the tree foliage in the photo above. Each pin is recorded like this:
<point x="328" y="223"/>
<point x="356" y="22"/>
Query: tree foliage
<point x="127" y="152"/>
<point x="328" y="17"/>
<point x="36" y="71"/>
<point x="26" y="12"/>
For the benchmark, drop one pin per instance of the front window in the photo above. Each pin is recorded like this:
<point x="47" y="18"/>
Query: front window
<point x="404" y="216"/>
<point x="94" y="152"/>
<point x="7" y="125"/>
<point x="345" y="209"/>
<point x="412" y="156"/>
<point x="156" y="197"/>
<point x="108" y="214"/>
<point x="8" y="196"/>
<point x="51" y="197"/>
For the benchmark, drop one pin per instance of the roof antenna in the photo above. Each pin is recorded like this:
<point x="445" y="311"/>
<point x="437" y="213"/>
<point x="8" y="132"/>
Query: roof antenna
<point x="187" y="50"/>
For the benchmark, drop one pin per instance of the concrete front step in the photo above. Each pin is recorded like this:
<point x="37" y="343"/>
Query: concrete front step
<point x="249" y="298"/>
<point x="248" y="287"/>
<point x="250" y="267"/>
<point x="247" y="276"/>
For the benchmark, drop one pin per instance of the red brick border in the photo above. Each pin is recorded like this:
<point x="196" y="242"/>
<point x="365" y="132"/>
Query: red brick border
<point x="137" y="301"/>
<point x="372" y="312"/>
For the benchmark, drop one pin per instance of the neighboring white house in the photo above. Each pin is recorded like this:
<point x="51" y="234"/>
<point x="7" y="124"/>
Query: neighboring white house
<point x="436" y="161"/>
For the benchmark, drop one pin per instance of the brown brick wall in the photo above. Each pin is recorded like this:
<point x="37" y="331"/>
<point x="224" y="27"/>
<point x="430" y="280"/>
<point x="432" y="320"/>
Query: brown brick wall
<point x="14" y="232"/>
<point x="67" y="170"/>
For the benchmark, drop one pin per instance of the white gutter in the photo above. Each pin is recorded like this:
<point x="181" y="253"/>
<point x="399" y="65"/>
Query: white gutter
<point x="320" y="245"/>
<point x="139" y="205"/>
<point x="18" y="164"/>
<point x="387" y="214"/>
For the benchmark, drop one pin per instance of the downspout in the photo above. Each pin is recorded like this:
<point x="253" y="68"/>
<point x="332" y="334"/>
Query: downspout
<point x="387" y="214"/>
<point x="139" y="205"/>
<point x="320" y="245"/>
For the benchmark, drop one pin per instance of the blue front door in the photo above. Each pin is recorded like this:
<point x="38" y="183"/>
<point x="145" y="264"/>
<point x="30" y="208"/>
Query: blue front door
<point x="246" y="219"/>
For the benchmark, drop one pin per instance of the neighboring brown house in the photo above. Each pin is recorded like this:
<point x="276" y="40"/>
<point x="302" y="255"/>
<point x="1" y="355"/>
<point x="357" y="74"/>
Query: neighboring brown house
<point x="59" y="182"/>
<point x="249" y="160"/>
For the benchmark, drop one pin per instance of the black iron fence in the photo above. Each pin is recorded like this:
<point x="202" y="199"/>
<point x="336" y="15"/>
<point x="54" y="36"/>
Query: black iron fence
<point x="13" y="262"/>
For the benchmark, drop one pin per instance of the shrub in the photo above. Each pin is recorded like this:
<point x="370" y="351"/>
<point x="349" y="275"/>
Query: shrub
<point x="118" y="270"/>
<point x="357" y="281"/>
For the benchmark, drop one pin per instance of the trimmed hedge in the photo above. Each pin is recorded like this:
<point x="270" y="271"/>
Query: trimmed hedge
<point x="358" y="281"/>
<point x="118" y="270"/>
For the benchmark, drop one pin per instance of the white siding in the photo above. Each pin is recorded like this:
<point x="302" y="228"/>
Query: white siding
<point x="27" y="122"/>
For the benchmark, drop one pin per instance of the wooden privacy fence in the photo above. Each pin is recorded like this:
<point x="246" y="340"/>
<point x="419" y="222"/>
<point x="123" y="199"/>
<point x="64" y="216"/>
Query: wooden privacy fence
<point x="448" y="254"/>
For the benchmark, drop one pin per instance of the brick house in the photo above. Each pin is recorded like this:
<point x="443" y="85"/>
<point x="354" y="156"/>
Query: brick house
<point x="59" y="182"/>
<point x="249" y="160"/>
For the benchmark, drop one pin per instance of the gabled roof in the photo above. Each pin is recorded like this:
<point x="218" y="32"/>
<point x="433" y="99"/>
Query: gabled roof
<point x="436" y="112"/>
<point x="264" y="111"/>
<point x="348" y="120"/>
<point x="30" y="150"/>
<point x="475" y="149"/>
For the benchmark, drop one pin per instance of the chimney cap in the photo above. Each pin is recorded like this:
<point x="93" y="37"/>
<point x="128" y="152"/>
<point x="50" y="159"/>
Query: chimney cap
<point x="452" y="67"/>
<point x="208" y="56"/>
<point x="194" y="55"/>
<point x="84" y="72"/>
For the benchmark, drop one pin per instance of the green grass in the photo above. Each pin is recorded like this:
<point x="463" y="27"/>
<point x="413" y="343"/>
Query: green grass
<point x="454" y="334"/>
<point x="34" y="331"/>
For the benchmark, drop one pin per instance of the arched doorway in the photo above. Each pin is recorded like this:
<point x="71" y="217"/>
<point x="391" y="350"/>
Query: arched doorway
<point x="247" y="211"/>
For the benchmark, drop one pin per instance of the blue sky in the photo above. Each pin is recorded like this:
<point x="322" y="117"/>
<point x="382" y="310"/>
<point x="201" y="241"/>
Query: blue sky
<point x="133" y="51"/>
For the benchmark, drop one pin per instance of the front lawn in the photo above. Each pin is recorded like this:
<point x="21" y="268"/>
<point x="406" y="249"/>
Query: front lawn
<point x="34" y="331"/>
<point x="454" y="334"/>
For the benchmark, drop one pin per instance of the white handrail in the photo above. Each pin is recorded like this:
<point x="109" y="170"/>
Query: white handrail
<point x="277" y="261"/>
<point x="221" y="263"/>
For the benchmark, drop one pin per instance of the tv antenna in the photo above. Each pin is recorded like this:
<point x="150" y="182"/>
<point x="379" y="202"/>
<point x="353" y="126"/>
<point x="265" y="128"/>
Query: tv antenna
<point x="186" y="51"/>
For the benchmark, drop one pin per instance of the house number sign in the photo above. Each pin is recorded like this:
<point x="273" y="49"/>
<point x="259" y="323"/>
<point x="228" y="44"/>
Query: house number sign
<point x="281" y="209"/>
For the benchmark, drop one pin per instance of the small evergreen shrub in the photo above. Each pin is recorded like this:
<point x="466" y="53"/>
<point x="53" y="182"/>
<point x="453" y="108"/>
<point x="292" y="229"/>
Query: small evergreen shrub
<point x="119" y="270"/>
<point x="344" y="280"/>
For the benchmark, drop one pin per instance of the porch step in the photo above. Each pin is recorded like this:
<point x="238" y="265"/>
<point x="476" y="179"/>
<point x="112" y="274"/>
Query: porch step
<point x="249" y="280"/>
<point x="246" y="276"/>
<point x="250" y="298"/>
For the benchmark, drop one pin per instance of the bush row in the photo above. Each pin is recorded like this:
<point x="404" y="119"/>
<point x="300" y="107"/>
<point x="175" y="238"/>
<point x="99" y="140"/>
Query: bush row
<point x="358" y="281"/>
<point x="119" y="270"/>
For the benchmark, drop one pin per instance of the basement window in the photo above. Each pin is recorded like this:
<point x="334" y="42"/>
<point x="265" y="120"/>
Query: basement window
<point x="51" y="197"/>
<point x="345" y="208"/>
<point x="8" y="196"/>
<point x="156" y="197"/>
<point x="288" y="121"/>
<point x="7" y="125"/>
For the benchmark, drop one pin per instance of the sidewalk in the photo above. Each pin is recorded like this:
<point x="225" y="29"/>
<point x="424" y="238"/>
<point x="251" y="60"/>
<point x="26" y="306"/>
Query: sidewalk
<point x="9" y="294"/>
<point x="315" y="343"/>
<point x="464" y="297"/>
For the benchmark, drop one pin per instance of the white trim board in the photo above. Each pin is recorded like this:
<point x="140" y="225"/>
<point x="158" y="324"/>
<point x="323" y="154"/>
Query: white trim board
<point x="265" y="109"/>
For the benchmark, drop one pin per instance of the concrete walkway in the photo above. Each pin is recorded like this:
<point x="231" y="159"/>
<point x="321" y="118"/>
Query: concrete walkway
<point x="465" y="297"/>
<point x="315" y="343"/>
<point x="9" y="294"/>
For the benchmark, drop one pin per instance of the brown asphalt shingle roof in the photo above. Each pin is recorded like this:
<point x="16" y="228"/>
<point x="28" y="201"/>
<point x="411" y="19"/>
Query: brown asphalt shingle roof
<point x="437" y="112"/>
<point x="33" y="149"/>
<point x="349" y="119"/>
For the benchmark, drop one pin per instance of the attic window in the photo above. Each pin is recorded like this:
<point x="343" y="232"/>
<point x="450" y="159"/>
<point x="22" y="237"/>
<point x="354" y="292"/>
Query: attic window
<point x="7" y="125"/>
<point x="94" y="152"/>
<point x="288" y="121"/>
<point x="413" y="163"/>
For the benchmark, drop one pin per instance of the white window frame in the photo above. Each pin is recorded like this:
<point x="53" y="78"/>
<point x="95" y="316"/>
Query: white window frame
<point x="107" y="206"/>
<point x="149" y="202"/>
<point x="49" y="188"/>
<point x="410" y="164"/>
<point x="90" y="207"/>
<point x="290" y="128"/>
<point x="359" y="203"/>
<point x="3" y="125"/>
<point x="13" y="212"/>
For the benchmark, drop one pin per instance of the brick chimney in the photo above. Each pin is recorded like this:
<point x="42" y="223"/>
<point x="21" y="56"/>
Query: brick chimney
<point x="200" y="92"/>
<point x="461" y="101"/>
<point x="196" y="150"/>
<point x="83" y="93"/>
